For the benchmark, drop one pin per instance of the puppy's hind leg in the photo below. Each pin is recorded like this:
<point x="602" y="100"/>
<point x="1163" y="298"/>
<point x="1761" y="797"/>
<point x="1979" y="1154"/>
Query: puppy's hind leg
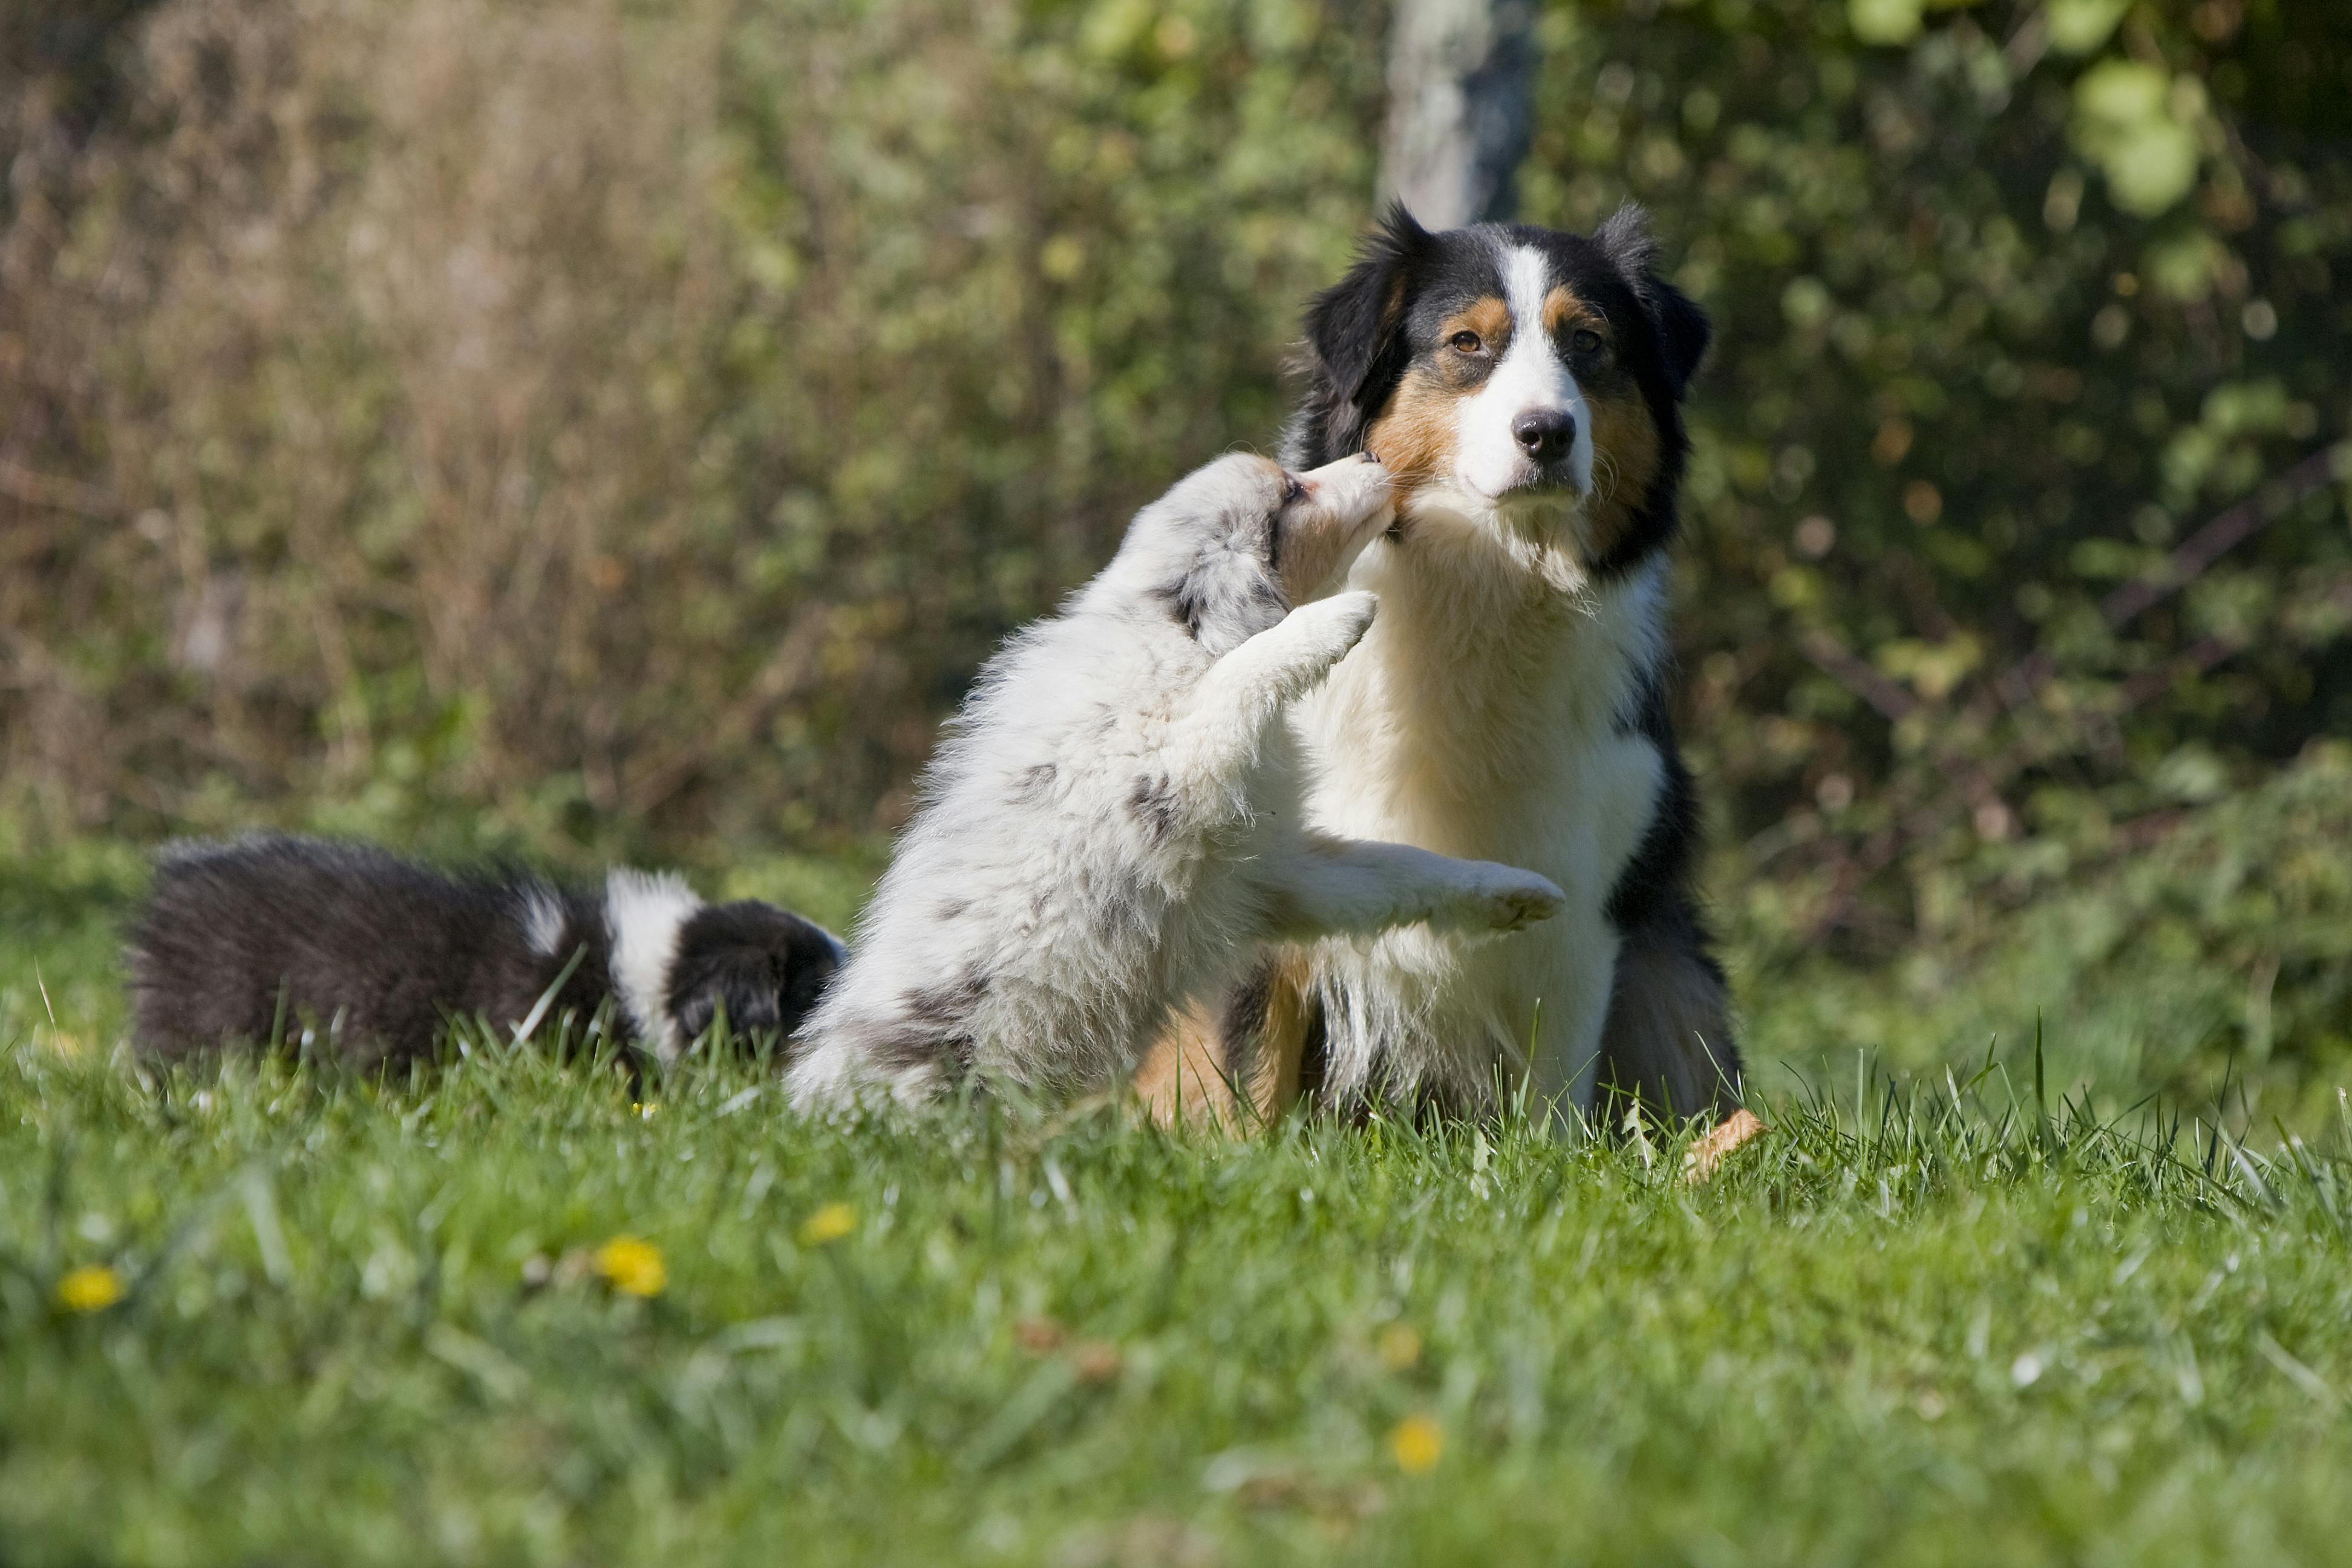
<point x="1238" y="701"/>
<point x="1333" y="887"/>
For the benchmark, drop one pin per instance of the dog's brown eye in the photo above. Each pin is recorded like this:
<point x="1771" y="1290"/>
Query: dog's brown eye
<point x="1291" y="489"/>
<point x="1467" y="342"/>
<point x="1586" y="341"/>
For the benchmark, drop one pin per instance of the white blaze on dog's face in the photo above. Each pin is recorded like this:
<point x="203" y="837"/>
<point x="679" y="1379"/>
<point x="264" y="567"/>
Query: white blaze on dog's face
<point x="1234" y="546"/>
<point x="1528" y="424"/>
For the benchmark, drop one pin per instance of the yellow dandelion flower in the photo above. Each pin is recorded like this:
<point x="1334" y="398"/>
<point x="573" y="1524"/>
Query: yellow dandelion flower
<point x="829" y="1224"/>
<point x="1398" y="1347"/>
<point x="1418" y="1443"/>
<point x="92" y="1288"/>
<point x="632" y="1266"/>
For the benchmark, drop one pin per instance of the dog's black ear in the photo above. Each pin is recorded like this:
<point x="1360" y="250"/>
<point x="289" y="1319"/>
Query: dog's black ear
<point x="1628" y="243"/>
<point x="1355" y="337"/>
<point x="1681" y="326"/>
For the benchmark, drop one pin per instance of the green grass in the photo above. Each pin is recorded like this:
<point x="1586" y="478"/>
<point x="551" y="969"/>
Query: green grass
<point x="363" y="1325"/>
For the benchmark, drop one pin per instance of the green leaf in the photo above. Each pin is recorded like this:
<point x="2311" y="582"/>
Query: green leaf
<point x="2152" y="169"/>
<point x="1885" y="21"/>
<point x="2115" y="94"/>
<point x="2079" y="27"/>
<point x="2123" y="120"/>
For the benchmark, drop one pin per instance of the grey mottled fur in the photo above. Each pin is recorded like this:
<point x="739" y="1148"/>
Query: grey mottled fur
<point x="1113" y="824"/>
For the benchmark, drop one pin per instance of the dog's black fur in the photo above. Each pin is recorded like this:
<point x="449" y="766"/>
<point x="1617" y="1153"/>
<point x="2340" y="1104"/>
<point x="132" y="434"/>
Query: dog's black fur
<point x="307" y="942"/>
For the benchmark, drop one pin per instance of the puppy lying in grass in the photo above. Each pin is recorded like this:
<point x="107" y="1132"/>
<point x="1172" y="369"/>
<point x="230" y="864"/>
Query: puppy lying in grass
<point x="276" y="938"/>
<point x="1113" y="824"/>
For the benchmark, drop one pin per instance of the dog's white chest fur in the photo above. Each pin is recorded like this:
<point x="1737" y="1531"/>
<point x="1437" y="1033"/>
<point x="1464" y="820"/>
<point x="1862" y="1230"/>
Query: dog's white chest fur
<point x="1485" y="716"/>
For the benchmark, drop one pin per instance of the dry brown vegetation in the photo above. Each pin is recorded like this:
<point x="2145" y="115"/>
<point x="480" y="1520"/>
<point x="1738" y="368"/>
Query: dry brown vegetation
<point x="571" y="412"/>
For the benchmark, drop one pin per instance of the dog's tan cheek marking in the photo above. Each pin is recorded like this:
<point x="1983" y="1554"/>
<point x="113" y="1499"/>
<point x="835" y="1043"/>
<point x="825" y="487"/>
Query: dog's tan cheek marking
<point x="1625" y="455"/>
<point x="1414" y="436"/>
<point x="1625" y="444"/>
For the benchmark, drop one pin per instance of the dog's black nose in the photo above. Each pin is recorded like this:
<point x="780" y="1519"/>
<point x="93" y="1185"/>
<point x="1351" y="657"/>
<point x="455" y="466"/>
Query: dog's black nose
<point x="1545" y="434"/>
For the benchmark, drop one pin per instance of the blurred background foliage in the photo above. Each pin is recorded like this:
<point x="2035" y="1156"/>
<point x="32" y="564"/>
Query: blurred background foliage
<point x="590" y="427"/>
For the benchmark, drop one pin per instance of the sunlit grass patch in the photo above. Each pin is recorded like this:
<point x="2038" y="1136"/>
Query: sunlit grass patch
<point x="519" y="1309"/>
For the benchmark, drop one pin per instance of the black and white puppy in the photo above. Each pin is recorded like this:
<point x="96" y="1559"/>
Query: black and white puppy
<point x="278" y="937"/>
<point x="1113" y="827"/>
<point x="1525" y="386"/>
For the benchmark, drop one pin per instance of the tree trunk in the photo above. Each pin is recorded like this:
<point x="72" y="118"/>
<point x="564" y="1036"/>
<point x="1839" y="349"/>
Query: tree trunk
<point x="1461" y="108"/>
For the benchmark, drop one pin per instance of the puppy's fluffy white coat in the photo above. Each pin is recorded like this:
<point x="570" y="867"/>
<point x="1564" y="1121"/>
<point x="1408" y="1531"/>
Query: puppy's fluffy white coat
<point x="1114" y="824"/>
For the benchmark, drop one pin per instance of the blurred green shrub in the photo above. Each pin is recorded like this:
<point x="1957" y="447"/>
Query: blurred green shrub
<point x="2012" y="298"/>
<point x="2214" y="952"/>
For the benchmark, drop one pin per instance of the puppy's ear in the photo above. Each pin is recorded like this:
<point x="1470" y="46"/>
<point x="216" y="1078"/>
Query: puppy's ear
<point x="1228" y="597"/>
<point x="1681" y="327"/>
<point x="739" y="979"/>
<point x="1355" y="337"/>
<point x="811" y="957"/>
<point x="764" y="966"/>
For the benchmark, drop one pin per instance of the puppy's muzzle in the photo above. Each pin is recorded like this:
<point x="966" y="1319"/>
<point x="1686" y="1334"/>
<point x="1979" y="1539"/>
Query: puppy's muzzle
<point x="1341" y="507"/>
<point x="1356" y="492"/>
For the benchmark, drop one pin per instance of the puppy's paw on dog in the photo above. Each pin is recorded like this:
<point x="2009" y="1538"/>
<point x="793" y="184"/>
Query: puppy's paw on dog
<point x="1502" y="898"/>
<point x="1531" y="900"/>
<point x="1324" y="633"/>
<point x="1282" y="664"/>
